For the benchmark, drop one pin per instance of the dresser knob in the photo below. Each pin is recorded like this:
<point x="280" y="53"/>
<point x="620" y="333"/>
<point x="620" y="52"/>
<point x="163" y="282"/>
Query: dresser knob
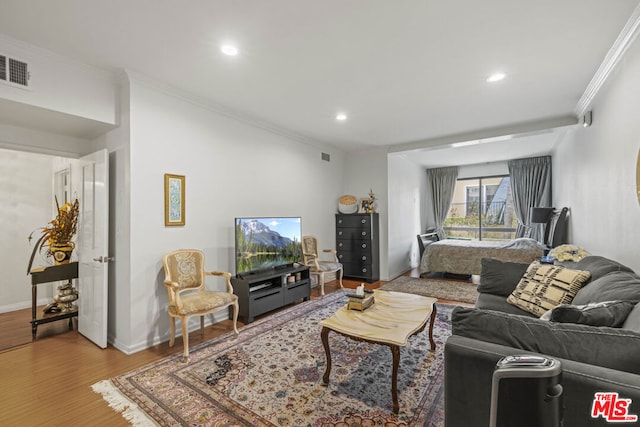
<point x="364" y="221"/>
<point x="364" y="246"/>
<point x="364" y="270"/>
<point x="340" y="244"/>
<point x="364" y="257"/>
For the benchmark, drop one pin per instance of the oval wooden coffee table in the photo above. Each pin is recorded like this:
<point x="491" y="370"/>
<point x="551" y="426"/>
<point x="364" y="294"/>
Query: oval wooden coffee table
<point x="390" y="321"/>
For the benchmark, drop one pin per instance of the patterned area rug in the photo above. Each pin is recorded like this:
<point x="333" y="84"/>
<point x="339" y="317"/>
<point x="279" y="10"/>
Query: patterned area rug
<point x="438" y="288"/>
<point x="271" y="375"/>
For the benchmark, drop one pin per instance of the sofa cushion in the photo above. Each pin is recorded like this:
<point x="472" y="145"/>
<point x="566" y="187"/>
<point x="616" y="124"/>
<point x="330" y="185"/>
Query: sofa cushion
<point x="599" y="266"/>
<point x="499" y="303"/>
<point x="613" y="348"/>
<point x="608" y="313"/>
<point x="545" y="286"/>
<point x="619" y="285"/>
<point x="500" y="277"/>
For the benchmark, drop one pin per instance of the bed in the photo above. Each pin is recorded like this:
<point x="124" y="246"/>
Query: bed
<point x="464" y="256"/>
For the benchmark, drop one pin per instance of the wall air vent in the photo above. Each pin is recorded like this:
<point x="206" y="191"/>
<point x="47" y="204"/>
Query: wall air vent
<point x="3" y="67"/>
<point x="14" y="71"/>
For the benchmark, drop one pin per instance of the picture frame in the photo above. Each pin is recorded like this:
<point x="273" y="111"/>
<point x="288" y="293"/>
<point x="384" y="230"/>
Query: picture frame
<point x="363" y="205"/>
<point x="174" y="207"/>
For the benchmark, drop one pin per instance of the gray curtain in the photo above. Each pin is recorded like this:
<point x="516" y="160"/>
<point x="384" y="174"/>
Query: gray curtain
<point x="442" y="182"/>
<point x="531" y="187"/>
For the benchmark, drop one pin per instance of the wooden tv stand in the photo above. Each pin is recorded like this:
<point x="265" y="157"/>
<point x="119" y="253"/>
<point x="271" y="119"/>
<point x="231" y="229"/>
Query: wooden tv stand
<point x="262" y="292"/>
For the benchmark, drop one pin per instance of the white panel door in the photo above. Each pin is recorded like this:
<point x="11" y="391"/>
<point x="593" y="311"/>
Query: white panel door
<point x="93" y="247"/>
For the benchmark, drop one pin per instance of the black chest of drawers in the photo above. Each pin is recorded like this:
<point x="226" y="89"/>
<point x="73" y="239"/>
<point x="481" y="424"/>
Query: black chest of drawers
<point x="357" y="243"/>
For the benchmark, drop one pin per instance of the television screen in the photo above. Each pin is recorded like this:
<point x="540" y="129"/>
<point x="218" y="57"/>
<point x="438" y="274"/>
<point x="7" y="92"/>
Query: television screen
<point x="263" y="243"/>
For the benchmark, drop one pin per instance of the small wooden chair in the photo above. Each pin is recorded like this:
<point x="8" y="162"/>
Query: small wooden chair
<point x="184" y="280"/>
<point x="317" y="267"/>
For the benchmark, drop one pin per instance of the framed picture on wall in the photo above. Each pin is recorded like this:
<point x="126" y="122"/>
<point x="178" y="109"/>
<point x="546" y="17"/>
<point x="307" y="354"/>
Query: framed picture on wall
<point x="174" y="188"/>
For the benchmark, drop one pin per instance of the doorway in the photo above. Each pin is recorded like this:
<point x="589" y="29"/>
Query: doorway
<point x="29" y="183"/>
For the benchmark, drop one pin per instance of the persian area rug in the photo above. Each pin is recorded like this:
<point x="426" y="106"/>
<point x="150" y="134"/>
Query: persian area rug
<point x="452" y="290"/>
<point x="271" y="375"/>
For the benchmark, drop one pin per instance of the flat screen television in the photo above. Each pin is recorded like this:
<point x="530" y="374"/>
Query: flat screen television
<point x="264" y="243"/>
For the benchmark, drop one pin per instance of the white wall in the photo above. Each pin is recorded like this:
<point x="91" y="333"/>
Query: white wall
<point x="26" y="206"/>
<point x="231" y="170"/>
<point x="364" y="171"/>
<point x="407" y="185"/>
<point x="117" y="143"/>
<point x="595" y="169"/>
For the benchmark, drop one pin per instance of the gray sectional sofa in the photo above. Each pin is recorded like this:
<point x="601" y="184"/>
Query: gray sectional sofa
<point x="597" y="344"/>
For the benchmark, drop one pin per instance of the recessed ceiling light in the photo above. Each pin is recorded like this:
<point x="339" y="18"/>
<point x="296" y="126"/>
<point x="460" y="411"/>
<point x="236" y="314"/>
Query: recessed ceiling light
<point x="229" y="50"/>
<point x="341" y="117"/>
<point x="496" y="77"/>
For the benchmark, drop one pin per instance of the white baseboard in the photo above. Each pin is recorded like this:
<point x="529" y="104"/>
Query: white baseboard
<point x="194" y="325"/>
<point x="22" y="305"/>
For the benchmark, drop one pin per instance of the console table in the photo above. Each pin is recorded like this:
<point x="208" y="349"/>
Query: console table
<point x="53" y="273"/>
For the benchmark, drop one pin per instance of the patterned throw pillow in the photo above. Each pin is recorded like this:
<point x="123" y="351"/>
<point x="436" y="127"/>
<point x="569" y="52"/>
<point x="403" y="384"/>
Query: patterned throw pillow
<point x="545" y="286"/>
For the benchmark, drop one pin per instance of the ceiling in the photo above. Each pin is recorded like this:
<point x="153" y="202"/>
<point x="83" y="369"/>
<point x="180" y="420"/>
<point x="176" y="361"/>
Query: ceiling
<point x="406" y="72"/>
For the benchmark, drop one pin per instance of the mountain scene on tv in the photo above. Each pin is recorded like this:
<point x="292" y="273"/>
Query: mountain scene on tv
<point x="260" y="246"/>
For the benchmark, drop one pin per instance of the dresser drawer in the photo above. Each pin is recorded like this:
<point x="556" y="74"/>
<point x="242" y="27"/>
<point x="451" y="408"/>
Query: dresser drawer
<point x="354" y="257"/>
<point x="353" y="233"/>
<point x="355" y="269"/>
<point x="353" y="221"/>
<point x="353" y="245"/>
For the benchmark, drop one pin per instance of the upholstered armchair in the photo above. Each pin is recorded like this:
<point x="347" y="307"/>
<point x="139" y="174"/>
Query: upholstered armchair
<point x="185" y="283"/>
<point x="318" y="267"/>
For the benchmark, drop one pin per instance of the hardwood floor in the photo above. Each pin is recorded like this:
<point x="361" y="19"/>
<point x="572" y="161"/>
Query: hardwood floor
<point x="15" y="328"/>
<point x="47" y="382"/>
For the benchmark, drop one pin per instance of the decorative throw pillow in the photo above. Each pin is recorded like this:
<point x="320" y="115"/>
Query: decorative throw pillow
<point x="500" y="277"/>
<point x="609" y="313"/>
<point x="545" y="286"/>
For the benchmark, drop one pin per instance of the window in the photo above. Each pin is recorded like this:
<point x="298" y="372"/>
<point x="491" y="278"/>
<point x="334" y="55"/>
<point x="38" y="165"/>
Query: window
<point x="482" y="208"/>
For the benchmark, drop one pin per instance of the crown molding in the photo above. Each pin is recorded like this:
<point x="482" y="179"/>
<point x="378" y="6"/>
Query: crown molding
<point x="615" y="54"/>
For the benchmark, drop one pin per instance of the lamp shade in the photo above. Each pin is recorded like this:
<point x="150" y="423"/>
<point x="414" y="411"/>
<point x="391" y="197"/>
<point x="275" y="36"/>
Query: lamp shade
<point x="540" y="215"/>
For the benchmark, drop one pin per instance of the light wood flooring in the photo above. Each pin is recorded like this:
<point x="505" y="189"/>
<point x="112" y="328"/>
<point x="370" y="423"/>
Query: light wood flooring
<point x="47" y="382"/>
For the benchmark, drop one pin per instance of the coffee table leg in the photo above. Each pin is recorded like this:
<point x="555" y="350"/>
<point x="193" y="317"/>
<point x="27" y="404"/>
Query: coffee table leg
<point x="395" y="351"/>
<point x="325" y="342"/>
<point x="433" y="319"/>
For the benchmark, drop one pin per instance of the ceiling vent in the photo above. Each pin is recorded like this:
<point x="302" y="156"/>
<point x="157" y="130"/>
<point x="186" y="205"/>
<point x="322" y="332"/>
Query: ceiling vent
<point x="13" y="71"/>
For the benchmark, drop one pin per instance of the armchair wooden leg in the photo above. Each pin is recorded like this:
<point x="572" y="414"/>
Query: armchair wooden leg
<point x="321" y="280"/>
<point x="235" y="317"/>
<point x="202" y="326"/>
<point x="341" y="273"/>
<point x="173" y="332"/>
<point x="185" y="339"/>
